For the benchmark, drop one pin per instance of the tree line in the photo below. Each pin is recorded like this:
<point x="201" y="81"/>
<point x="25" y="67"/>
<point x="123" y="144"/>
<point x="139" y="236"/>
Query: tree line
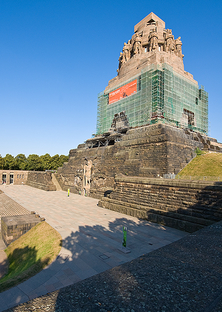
<point x="32" y="162"/>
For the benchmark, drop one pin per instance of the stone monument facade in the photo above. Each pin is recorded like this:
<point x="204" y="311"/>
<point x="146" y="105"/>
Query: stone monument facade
<point x="151" y="117"/>
<point x="151" y="83"/>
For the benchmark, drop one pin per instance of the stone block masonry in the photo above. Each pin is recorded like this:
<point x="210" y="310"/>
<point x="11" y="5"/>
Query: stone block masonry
<point x="16" y="177"/>
<point x="148" y="151"/>
<point x="15" y="226"/>
<point x="187" y="206"/>
<point x="41" y="180"/>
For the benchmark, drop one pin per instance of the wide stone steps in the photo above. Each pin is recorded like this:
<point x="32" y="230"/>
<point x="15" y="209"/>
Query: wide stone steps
<point x="186" y="201"/>
<point x="175" y="220"/>
<point x="172" y="196"/>
<point x="159" y="211"/>
<point x="212" y="213"/>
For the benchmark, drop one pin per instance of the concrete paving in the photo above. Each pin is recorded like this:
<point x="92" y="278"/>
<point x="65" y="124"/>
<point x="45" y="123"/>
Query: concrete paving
<point x="91" y="237"/>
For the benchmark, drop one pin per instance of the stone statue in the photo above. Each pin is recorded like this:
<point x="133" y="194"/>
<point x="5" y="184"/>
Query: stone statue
<point x="137" y="45"/>
<point x="178" y="44"/>
<point x="126" y="51"/>
<point x="121" y="61"/>
<point x="169" y="41"/>
<point x="170" y="44"/>
<point x="153" y="41"/>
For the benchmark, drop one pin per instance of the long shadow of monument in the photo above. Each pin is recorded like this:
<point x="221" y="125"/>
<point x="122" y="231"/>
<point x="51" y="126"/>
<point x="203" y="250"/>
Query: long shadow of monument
<point x="176" y="277"/>
<point x="185" y="271"/>
<point x="24" y="263"/>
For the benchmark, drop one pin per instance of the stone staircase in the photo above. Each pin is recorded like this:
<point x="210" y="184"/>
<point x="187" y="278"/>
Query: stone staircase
<point x="175" y="203"/>
<point x="56" y="183"/>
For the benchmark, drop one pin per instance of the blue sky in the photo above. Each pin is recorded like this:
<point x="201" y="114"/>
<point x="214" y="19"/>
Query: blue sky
<point x="56" y="56"/>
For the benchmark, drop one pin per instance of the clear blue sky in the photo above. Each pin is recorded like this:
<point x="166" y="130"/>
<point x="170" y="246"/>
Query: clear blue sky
<point x="57" y="55"/>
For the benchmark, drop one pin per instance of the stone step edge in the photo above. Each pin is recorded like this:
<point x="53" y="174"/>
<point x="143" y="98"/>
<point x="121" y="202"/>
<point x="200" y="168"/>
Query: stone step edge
<point x="178" y="216"/>
<point x="152" y="217"/>
<point x="197" y="208"/>
<point x="41" y="185"/>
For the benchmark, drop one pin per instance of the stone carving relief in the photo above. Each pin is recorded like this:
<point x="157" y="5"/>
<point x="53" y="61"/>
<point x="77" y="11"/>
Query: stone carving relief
<point x="87" y="170"/>
<point x="178" y="44"/>
<point x="121" y="61"/>
<point x="156" y="40"/>
<point x="170" y="42"/>
<point x="153" y="40"/>
<point x="126" y="51"/>
<point x="120" y="121"/>
<point x="137" y="45"/>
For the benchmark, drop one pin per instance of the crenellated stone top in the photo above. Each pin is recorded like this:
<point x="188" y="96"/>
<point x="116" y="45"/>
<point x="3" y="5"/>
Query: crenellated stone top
<point x="150" y="36"/>
<point x="151" y="44"/>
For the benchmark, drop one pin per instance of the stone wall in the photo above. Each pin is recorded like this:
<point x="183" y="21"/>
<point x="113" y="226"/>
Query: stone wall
<point x="184" y="205"/>
<point x="15" y="226"/>
<point x="148" y="151"/>
<point x="18" y="177"/>
<point x="41" y="180"/>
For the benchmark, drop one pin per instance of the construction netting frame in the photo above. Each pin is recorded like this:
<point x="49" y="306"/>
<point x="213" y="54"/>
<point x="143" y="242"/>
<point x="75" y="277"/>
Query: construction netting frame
<point x="162" y="94"/>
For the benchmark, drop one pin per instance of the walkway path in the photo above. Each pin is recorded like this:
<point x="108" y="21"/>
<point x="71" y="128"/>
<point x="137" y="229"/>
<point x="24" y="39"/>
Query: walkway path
<point x="91" y="238"/>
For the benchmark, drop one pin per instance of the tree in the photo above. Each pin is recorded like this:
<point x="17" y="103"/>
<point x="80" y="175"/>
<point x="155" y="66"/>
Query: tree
<point x="2" y="162"/>
<point x="20" y="162"/>
<point x="55" y="163"/>
<point x="46" y="161"/>
<point x="62" y="159"/>
<point x="9" y="162"/>
<point x="34" y="162"/>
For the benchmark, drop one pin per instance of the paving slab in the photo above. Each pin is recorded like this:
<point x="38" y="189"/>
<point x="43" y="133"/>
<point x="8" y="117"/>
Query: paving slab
<point x="185" y="276"/>
<point x="89" y="232"/>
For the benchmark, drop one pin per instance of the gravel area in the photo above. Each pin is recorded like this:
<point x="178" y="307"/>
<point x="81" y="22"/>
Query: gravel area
<point x="183" y="276"/>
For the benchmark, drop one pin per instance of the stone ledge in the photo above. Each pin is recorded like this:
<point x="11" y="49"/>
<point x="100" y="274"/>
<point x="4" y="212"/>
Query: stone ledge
<point x="41" y="186"/>
<point x="155" y="217"/>
<point x="215" y="186"/>
<point x="15" y="226"/>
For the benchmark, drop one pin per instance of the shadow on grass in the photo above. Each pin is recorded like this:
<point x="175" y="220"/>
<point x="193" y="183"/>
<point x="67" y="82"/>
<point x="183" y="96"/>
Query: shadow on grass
<point x="23" y="264"/>
<point x="3" y="266"/>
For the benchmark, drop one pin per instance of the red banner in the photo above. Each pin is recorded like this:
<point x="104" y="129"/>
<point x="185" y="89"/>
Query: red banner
<point x="123" y="91"/>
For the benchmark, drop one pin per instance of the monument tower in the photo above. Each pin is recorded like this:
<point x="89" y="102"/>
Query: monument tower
<point x="151" y="117"/>
<point x="151" y="83"/>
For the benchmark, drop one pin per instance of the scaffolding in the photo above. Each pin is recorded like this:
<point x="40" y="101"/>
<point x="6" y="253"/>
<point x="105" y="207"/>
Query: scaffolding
<point x="162" y="94"/>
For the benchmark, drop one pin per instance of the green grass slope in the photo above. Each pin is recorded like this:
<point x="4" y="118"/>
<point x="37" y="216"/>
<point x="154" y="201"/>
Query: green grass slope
<point x="203" y="167"/>
<point x="30" y="253"/>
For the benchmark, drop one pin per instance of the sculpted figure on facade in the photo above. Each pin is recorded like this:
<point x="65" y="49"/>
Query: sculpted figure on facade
<point x="151" y="37"/>
<point x="170" y="42"/>
<point x="121" y="61"/>
<point x="137" y="47"/>
<point x="126" y="51"/>
<point x="153" y="42"/>
<point x="178" y="44"/>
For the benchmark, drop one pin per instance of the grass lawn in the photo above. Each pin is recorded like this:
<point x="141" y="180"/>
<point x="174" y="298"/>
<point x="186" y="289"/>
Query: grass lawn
<point x="30" y="253"/>
<point x="207" y="165"/>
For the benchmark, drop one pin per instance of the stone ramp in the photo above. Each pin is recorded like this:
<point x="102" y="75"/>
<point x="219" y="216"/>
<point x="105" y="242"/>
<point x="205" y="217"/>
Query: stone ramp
<point x="8" y="207"/>
<point x="56" y="183"/>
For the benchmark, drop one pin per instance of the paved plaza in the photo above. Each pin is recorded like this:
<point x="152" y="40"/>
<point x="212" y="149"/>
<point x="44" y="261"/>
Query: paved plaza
<point x="91" y="237"/>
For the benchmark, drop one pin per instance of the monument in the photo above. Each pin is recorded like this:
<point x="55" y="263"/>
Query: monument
<point x="151" y="117"/>
<point x="152" y="84"/>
